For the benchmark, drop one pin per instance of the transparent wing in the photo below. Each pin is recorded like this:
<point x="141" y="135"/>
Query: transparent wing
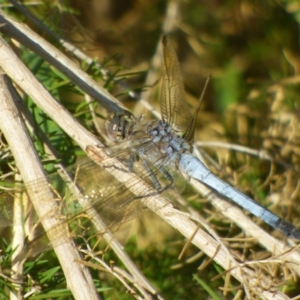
<point x="89" y="191"/>
<point x="174" y="107"/>
<point x="190" y="129"/>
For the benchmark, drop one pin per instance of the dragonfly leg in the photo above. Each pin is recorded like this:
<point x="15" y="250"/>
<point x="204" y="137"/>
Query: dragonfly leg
<point x="154" y="179"/>
<point x="157" y="185"/>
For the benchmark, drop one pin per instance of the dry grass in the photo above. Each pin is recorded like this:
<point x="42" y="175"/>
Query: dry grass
<point x="252" y="101"/>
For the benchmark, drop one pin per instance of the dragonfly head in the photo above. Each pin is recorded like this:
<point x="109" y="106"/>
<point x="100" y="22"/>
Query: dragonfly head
<point x="120" y="127"/>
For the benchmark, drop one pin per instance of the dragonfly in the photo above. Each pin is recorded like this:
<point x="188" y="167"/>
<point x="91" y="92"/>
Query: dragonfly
<point x="168" y="142"/>
<point x="150" y="149"/>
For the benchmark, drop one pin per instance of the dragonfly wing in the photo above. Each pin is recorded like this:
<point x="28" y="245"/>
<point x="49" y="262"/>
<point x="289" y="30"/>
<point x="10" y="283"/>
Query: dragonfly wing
<point x="174" y="107"/>
<point x="88" y="193"/>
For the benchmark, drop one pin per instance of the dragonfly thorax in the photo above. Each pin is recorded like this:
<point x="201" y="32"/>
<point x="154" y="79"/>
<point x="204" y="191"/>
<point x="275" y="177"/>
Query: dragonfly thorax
<point x="167" y="141"/>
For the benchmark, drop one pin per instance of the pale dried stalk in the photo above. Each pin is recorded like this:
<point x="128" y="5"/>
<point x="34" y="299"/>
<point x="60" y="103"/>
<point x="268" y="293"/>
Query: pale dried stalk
<point x="78" y="279"/>
<point x="28" y="38"/>
<point x="17" y="243"/>
<point x="262" y="154"/>
<point x="122" y="276"/>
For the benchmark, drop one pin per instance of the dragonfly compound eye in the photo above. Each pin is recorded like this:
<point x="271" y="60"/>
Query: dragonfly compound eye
<point x="112" y="128"/>
<point x="119" y="127"/>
